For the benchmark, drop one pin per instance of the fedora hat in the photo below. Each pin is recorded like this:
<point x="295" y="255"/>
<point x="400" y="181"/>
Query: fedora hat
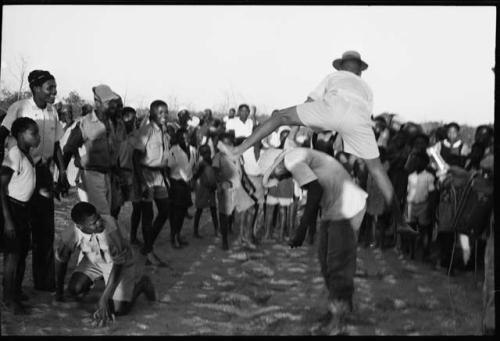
<point x="337" y="63"/>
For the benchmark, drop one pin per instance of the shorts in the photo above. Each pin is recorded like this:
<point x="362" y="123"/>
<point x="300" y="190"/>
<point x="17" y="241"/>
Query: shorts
<point x="124" y="290"/>
<point x="156" y="184"/>
<point x="350" y="120"/>
<point x="419" y="213"/>
<point x="231" y="199"/>
<point x="95" y="187"/>
<point x="272" y="200"/>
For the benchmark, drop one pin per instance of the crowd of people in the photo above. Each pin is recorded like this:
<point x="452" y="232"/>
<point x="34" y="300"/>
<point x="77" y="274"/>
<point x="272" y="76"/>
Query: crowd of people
<point x="267" y="193"/>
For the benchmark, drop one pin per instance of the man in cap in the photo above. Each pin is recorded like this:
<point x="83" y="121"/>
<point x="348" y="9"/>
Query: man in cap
<point x="40" y="108"/>
<point x="343" y="206"/>
<point x="95" y="134"/>
<point x="342" y="102"/>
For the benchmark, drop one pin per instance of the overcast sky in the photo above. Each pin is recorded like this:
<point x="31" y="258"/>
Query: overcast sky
<point x="425" y="63"/>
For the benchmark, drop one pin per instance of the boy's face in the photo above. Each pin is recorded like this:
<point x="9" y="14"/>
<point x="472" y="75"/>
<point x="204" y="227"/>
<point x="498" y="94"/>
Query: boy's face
<point x="205" y="154"/>
<point x="452" y="134"/>
<point x="31" y="136"/>
<point x="129" y="119"/>
<point x="159" y="115"/>
<point x="93" y="224"/>
<point x="228" y="141"/>
<point x="280" y="172"/>
<point x="244" y="113"/>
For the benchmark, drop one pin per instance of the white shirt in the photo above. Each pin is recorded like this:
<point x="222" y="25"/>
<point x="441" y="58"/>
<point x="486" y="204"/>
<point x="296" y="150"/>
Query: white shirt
<point x="181" y="168"/>
<point x="22" y="183"/>
<point x="241" y="129"/>
<point x="154" y="142"/>
<point x="51" y="129"/>
<point x="230" y="122"/>
<point x="342" y="198"/>
<point x="345" y="84"/>
<point x="419" y="186"/>
<point x="250" y="163"/>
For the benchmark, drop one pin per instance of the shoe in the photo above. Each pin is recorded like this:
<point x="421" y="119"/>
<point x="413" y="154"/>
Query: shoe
<point x="148" y="288"/>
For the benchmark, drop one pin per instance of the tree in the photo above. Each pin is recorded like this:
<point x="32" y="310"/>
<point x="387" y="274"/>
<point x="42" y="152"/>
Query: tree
<point x="76" y="103"/>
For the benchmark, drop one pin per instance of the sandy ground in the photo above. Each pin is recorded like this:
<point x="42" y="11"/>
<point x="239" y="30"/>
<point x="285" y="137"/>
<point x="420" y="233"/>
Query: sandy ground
<point x="273" y="290"/>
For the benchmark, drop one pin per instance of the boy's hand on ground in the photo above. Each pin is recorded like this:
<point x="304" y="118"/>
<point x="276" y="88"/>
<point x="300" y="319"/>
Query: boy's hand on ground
<point x="103" y="314"/>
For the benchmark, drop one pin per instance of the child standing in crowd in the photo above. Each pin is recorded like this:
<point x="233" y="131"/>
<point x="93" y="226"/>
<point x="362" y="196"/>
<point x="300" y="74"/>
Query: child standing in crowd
<point x="230" y="193"/>
<point x="130" y="189"/>
<point x="150" y="160"/>
<point x="249" y="161"/>
<point x="105" y="254"/>
<point x="17" y="180"/>
<point x="205" y="187"/>
<point x="182" y="159"/>
<point x="420" y="194"/>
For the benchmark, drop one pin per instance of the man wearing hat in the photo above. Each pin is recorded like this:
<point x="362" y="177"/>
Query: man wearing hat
<point x="95" y="133"/>
<point x="342" y="102"/>
<point x="40" y="108"/>
<point x="343" y="206"/>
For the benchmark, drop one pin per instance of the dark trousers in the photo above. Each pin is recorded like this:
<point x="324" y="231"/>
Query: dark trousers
<point x="42" y="227"/>
<point x="337" y="256"/>
<point x="177" y="215"/>
<point x="150" y="229"/>
<point x="445" y="241"/>
<point x="15" y="251"/>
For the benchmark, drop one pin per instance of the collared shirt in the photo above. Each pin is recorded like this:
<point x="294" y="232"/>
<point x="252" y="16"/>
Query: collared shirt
<point x="241" y="129"/>
<point x="107" y="247"/>
<point x="347" y="85"/>
<point x="51" y="129"/>
<point x="89" y="142"/>
<point x="181" y="167"/>
<point x="22" y="183"/>
<point x="154" y="142"/>
<point x="419" y="186"/>
<point x="342" y="198"/>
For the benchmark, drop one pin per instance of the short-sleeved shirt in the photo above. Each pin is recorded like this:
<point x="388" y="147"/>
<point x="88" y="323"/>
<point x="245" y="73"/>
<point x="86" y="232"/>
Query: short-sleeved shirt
<point x="107" y="247"/>
<point x="343" y="102"/>
<point x="182" y="167"/>
<point x="126" y="149"/>
<point x="228" y="170"/>
<point x="342" y="198"/>
<point x="23" y="180"/>
<point x="51" y="129"/>
<point x="155" y="143"/>
<point x="241" y="129"/>
<point x="419" y="186"/>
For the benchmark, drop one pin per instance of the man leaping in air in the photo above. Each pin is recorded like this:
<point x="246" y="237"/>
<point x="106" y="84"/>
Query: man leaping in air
<point x="342" y="102"/>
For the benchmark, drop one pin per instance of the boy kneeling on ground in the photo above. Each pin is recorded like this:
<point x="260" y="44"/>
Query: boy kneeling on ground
<point x="105" y="254"/>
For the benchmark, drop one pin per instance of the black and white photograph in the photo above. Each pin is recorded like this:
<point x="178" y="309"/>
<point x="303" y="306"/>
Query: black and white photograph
<point x="247" y="169"/>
